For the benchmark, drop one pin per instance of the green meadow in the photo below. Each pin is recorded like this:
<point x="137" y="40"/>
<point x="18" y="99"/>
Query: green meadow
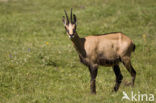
<point x="38" y="63"/>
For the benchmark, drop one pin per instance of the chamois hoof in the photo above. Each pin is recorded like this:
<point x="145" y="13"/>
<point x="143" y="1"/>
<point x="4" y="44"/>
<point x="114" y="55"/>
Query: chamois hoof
<point x="116" y="89"/>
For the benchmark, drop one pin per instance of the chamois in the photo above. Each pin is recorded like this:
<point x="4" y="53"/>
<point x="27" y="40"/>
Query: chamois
<point x="105" y="50"/>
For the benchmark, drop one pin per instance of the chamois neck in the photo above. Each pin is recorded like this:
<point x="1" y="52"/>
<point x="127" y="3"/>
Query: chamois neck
<point x="79" y="45"/>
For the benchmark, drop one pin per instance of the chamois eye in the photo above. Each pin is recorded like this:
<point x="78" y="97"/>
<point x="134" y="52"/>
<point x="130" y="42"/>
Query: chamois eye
<point x="74" y="30"/>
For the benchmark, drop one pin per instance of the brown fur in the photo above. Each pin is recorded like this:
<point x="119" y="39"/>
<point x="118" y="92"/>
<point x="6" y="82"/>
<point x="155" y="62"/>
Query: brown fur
<point x="106" y="50"/>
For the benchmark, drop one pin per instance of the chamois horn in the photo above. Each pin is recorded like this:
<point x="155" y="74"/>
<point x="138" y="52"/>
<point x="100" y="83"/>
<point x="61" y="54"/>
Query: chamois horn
<point x="66" y="16"/>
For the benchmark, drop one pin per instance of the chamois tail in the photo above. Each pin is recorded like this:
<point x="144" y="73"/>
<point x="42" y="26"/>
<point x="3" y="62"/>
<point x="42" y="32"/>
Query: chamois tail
<point x="134" y="47"/>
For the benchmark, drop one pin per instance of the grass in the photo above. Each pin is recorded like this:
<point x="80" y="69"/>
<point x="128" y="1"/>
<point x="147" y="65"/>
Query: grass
<point x="38" y="63"/>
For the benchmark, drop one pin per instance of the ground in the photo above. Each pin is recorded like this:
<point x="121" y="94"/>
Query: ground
<point x="38" y="63"/>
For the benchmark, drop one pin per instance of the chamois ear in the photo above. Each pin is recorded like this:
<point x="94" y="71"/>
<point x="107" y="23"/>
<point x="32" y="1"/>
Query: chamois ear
<point x="74" y="18"/>
<point x="64" y="21"/>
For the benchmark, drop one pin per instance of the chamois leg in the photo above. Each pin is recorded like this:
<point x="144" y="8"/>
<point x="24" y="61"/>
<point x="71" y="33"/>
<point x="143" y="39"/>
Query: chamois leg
<point x="127" y="63"/>
<point x="118" y="75"/>
<point x="93" y="74"/>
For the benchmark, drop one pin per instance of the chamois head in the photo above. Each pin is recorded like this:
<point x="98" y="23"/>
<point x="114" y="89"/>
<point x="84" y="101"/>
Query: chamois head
<point x="70" y="26"/>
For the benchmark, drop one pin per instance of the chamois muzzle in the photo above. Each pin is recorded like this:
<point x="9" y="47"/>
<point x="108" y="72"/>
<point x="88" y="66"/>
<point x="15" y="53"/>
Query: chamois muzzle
<point x="71" y="36"/>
